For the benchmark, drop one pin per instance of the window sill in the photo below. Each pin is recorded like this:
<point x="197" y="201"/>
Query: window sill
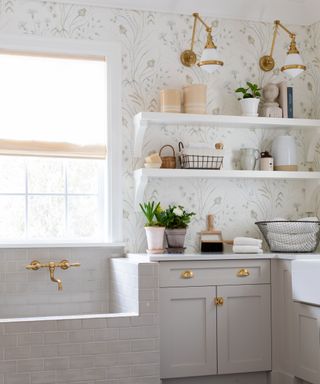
<point x="61" y="245"/>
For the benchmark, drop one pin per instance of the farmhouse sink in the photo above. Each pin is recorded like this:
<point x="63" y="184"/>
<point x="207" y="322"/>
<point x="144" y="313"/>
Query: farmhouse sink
<point x="306" y="281"/>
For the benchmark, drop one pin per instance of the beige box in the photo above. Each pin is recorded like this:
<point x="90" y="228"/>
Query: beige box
<point x="170" y="100"/>
<point x="195" y="98"/>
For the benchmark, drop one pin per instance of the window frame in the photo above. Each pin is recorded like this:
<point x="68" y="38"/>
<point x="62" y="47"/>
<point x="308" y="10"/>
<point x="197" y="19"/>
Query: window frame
<point x="111" y="51"/>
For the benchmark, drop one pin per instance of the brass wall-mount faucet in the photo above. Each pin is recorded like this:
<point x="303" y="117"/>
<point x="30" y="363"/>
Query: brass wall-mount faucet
<point x="35" y="265"/>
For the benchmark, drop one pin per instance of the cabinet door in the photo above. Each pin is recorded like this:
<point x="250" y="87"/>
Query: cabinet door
<point x="307" y="343"/>
<point x="244" y="329"/>
<point x="187" y="332"/>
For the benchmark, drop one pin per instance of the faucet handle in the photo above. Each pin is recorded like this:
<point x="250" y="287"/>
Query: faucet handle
<point x="34" y="265"/>
<point x="65" y="264"/>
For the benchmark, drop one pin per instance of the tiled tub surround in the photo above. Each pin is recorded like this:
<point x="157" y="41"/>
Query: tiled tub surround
<point x="103" y="349"/>
<point x="26" y="293"/>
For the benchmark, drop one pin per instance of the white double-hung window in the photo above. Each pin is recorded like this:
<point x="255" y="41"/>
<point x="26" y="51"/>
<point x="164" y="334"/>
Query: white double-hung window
<point x="59" y="148"/>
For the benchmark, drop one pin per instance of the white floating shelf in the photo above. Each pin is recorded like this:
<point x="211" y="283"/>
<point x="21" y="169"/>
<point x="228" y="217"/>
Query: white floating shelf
<point x="143" y="175"/>
<point x="144" y="119"/>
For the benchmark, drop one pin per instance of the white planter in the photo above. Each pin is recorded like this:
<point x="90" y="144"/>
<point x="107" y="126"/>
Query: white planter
<point x="155" y="237"/>
<point x="250" y="106"/>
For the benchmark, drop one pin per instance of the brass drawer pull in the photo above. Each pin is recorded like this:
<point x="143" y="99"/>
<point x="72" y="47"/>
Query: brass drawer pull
<point x="243" y="273"/>
<point x="187" y="275"/>
<point x="219" y="300"/>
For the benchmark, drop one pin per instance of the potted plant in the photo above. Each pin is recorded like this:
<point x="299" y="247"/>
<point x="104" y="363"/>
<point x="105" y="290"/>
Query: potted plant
<point x="153" y="227"/>
<point x="250" y="99"/>
<point x="176" y="220"/>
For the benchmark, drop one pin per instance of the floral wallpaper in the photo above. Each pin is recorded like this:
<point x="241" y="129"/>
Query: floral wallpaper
<point x="151" y="46"/>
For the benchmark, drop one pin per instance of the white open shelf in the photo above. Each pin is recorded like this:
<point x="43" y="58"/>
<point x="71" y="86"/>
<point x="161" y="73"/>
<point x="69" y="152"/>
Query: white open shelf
<point x="143" y="175"/>
<point x="145" y="119"/>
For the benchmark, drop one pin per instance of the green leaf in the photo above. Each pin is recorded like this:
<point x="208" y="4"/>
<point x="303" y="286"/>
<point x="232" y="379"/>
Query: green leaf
<point x="241" y="89"/>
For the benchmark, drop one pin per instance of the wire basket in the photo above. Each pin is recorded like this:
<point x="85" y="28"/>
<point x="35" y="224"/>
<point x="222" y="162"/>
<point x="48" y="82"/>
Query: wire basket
<point x="199" y="161"/>
<point x="291" y="236"/>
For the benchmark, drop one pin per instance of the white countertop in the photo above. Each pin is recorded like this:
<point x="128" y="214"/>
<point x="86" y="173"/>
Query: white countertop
<point x="143" y="257"/>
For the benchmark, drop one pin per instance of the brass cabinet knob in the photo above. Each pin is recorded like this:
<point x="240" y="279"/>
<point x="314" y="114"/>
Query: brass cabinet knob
<point x="219" y="300"/>
<point x="243" y="273"/>
<point x="187" y="275"/>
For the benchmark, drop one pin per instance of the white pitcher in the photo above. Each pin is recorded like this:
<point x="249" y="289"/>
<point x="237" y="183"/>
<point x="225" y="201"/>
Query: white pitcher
<point x="248" y="158"/>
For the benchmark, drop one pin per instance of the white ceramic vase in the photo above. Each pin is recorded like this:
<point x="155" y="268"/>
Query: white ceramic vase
<point x="155" y="237"/>
<point x="284" y="152"/>
<point x="250" y="106"/>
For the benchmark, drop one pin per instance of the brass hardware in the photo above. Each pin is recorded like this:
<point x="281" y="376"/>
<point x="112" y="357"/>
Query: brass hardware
<point x="64" y="264"/>
<point x="267" y="62"/>
<point x="219" y="300"/>
<point x="187" y="275"/>
<point x="188" y="57"/>
<point x="243" y="273"/>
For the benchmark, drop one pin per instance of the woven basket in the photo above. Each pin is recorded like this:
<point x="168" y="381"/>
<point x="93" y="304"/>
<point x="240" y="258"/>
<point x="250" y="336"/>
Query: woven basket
<point x="168" y="161"/>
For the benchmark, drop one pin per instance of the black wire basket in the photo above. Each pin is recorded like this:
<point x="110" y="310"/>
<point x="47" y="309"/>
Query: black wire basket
<point x="199" y="161"/>
<point x="291" y="236"/>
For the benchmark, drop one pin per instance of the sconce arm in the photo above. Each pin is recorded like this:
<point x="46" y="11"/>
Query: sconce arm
<point x="278" y="25"/>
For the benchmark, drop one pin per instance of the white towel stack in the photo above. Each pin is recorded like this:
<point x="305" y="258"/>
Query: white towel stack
<point x="247" y="245"/>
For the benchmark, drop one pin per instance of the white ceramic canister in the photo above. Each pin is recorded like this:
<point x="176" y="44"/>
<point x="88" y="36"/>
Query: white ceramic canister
<point x="284" y="153"/>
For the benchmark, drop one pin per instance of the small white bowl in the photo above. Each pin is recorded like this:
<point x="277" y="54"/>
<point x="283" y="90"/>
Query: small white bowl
<point x="152" y="165"/>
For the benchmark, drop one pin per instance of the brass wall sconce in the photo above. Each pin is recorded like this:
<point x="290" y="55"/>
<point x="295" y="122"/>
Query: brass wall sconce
<point x="293" y="65"/>
<point x="64" y="264"/>
<point x="209" y="60"/>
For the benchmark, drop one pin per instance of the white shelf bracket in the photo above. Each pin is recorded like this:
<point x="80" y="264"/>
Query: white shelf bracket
<point x="140" y="127"/>
<point x="140" y="186"/>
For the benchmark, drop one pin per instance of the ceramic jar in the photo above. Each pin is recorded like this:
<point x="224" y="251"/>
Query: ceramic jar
<point x="284" y="152"/>
<point x="195" y="98"/>
<point x="266" y="161"/>
<point x="248" y="158"/>
<point x="170" y="100"/>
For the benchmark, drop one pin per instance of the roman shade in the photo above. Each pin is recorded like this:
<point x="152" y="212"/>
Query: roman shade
<point x="53" y="106"/>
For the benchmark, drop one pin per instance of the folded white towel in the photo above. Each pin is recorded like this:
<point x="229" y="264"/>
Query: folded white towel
<point x="292" y="239"/>
<point x="246" y="249"/>
<point x="276" y="246"/>
<point x="288" y="227"/>
<point x="247" y="241"/>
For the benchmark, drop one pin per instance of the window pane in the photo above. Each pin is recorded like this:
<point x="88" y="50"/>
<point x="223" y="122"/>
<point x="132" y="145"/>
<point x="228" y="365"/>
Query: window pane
<point x="83" y="216"/>
<point x="12" y="175"/>
<point x="46" y="216"/>
<point x="83" y="176"/>
<point x="12" y="217"/>
<point x="45" y="176"/>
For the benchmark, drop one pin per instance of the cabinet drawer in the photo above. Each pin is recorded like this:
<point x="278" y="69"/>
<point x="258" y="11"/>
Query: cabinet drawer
<point x="225" y="272"/>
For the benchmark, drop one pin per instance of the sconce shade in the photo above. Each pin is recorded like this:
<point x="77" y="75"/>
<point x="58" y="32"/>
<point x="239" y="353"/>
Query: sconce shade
<point x="293" y="65"/>
<point x="209" y="60"/>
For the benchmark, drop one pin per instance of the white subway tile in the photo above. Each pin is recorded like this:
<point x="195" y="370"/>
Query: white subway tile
<point x="56" y="363"/>
<point x="46" y="377"/>
<point x="17" y="378"/>
<point x="30" y="365"/>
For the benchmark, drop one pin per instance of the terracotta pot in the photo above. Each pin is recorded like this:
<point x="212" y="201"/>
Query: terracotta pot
<point x="175" y="237"/>
<point x="155" y="237"/>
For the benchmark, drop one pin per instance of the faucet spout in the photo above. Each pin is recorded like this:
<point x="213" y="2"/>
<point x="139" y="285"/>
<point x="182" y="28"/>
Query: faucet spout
<point x="52" y="268"/>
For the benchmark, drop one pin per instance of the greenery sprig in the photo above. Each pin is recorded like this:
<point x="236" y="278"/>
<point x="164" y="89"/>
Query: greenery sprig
<point x="251" y="91"/>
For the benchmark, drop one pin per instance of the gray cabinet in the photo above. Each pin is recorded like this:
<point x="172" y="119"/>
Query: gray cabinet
<point x="219" y="328"/>
<point x="188" y="332"/>
<point x="307" y="343"/>
<point x="244" y="329"/>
